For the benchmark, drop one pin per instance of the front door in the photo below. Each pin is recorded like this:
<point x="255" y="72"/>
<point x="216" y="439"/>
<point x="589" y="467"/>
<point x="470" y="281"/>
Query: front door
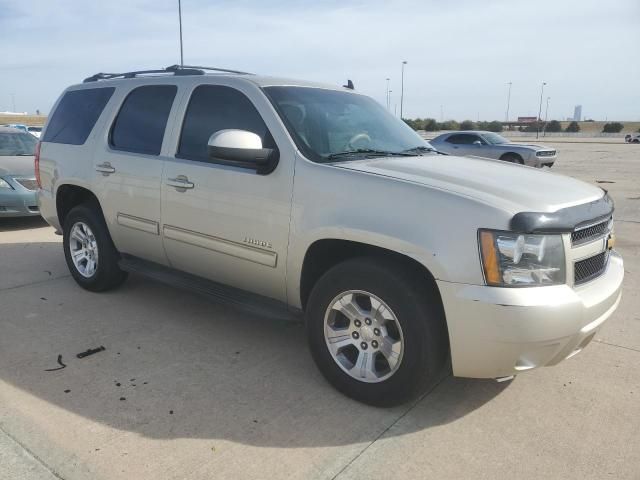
<point x="221" y="222"/>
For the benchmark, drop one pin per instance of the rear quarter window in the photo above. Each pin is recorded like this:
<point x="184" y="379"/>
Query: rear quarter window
<point x="76" y="115"/>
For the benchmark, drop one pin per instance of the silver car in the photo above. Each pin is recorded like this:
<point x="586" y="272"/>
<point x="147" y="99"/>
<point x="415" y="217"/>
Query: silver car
<point x="17" y="177"/>
<point x="492" y="145"/>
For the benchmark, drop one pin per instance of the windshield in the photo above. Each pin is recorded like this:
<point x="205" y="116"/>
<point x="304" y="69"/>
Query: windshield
<point x="330" y="125"/>
<point x="494" y="138"/>
<point x="17" y="143"/>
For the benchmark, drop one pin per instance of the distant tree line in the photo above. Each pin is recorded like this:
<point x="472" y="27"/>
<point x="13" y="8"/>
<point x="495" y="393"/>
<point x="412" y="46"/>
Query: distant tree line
<point x="431" y="125"/>
<point x="554" y="126"/>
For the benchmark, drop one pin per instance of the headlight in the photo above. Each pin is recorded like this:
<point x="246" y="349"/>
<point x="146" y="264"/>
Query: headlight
<point x="520" y="260"/>
<point x="4" y="184"/>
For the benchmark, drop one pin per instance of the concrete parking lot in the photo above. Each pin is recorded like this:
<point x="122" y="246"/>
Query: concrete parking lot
<point x="187" y="389"/>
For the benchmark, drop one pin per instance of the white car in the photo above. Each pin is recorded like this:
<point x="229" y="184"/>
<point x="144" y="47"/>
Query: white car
<point x="632" y="138"/>
<point x="35" y="131"/>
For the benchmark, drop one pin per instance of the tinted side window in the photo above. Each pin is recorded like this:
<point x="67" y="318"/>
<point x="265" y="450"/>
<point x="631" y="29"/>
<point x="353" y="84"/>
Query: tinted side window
<point x="140" y="124"/>
<point x="213" y="108"/>
<point x="76" y="114"/>
<point x="462" y="139"/>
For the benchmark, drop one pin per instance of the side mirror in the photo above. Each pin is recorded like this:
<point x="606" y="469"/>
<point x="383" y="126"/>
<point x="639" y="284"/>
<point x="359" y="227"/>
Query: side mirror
<point x="477" y="142"/>
<point x="240" y="148"/>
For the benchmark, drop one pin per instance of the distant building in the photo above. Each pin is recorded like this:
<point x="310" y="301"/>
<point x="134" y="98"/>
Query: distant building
<point x="577" y="113"/>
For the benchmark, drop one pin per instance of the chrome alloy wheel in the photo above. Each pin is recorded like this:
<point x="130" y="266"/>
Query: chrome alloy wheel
<point x="83" y="249"/>
<point x="363" y="336"/>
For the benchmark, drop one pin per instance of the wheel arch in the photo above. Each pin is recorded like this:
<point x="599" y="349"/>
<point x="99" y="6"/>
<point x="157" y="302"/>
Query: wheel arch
<point x="325" y="253"/>
<point x="70" y="195"/>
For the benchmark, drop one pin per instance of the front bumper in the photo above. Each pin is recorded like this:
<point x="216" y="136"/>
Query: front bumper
<point x="19" y="201"/>
<point x="497" y="332"/>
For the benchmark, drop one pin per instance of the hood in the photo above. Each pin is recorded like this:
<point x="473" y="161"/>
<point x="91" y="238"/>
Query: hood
<point x="17" y="165"/>
<point x="508" y="186"/>
<point x="526" y="145"/>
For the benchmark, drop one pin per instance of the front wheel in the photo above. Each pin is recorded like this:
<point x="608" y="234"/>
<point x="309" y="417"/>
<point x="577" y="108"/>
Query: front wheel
<point x="376" y="332"/>
<point x="512" y="158"/>
<point x="89" y="251"/>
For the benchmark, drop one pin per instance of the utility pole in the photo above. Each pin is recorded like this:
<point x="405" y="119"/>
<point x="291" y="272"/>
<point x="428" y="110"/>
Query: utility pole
<point x="540" y="110"/>
<point x="404" y="62"/>
<point x="388" y="106"/>
<point x="506" y="117"/>
<point x="180" y="21"/>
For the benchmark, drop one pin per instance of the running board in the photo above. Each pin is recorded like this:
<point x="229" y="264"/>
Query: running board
<point x="223" y="294"/>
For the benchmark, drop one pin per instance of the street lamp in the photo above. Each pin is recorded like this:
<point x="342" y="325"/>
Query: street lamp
<point x="506" y="117"/>
<point x="388" y="106"/>
<point x="546" y="118"/>
<point x="180" y="22"/>
<point x="540" y="110"/>
<point x="404" y="62"/>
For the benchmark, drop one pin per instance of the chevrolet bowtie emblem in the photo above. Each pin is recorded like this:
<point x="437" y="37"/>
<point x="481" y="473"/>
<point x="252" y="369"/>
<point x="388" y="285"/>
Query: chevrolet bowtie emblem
<point x="611" y="241"/>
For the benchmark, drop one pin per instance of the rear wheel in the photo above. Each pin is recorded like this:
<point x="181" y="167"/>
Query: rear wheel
<point x="512" y="158"/>
<point x="89" y="251"/>
<point x="376" y="332"/>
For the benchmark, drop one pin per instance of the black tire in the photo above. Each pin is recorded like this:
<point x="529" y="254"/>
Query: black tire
<point x="107" y="273"/>
<point x="418" y="309"/>
<point x="512" y="158"/>
<point x="636" y="140"/>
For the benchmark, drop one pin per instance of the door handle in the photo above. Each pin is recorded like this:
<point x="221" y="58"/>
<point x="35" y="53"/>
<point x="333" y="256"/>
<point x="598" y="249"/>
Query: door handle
<point x="105" y="168"/>
<point x="181" y="182"/>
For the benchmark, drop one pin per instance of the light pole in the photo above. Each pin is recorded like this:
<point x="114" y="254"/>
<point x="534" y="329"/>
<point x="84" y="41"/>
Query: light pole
<point x="180" y="21"/>
<point x="546" y="118"/>
<point x="506" y="116"/>
<point x="390" y="92"/>
<point x="388" y="106"/>
<point x="540" y="110"/>
<point x="404" y="62"/>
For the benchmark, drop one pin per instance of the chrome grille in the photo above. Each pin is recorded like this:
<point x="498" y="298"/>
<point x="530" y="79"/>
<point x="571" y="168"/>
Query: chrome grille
<point x="590" y="233"/>
<point x="28" y="183"/>
<point x="590" y="268"/>
<point x="546" y="153"/>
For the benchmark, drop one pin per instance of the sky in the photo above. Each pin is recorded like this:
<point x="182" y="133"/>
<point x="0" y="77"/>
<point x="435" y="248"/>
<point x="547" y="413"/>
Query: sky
<point x="460" y="55"/>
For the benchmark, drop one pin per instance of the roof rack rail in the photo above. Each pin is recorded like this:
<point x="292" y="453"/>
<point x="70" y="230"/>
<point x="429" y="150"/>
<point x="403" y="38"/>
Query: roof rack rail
<point x="173" y="70"/>
<point x="215" y="69"/>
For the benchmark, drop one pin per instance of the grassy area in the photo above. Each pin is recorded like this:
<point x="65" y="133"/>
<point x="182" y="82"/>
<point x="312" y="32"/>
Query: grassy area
<point x="23" y="119"/>
<point x="596" y="127"/>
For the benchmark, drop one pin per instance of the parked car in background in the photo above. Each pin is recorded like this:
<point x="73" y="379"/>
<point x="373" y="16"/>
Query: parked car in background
<point x="287" y="196"/>
<point x="492" y="145"/>
<point x="19" y="126"/>
<point x="632" y="138"/>
<point x="35" y="131"/>
<point x="17" y="180"/>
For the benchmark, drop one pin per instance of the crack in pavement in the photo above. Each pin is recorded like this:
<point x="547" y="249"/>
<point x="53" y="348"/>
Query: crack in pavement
<point x="618" y="346"/>
<point x="413" y="405"/>
<point x="34" y="283"/>
<point x="31" y="453"/>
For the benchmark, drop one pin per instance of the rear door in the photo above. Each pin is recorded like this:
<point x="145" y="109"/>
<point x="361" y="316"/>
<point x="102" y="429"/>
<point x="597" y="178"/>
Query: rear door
<point x="128" y="166"/>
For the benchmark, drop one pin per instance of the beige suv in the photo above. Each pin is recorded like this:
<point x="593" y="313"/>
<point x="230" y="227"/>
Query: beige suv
<point x="286" y="197"/>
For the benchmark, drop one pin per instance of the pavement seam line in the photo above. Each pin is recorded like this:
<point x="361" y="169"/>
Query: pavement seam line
<point x="413" y="405"/>
<point x="34" y="283"/>
<point x="618" y="346"/>
<point x="31" y="453"/>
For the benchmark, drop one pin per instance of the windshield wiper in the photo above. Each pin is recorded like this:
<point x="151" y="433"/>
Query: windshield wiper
<point x="367" y="152"/>
<point x="423" y="149"/>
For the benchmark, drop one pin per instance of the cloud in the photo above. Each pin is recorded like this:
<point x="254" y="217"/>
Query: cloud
<point x="461" y="54"/>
